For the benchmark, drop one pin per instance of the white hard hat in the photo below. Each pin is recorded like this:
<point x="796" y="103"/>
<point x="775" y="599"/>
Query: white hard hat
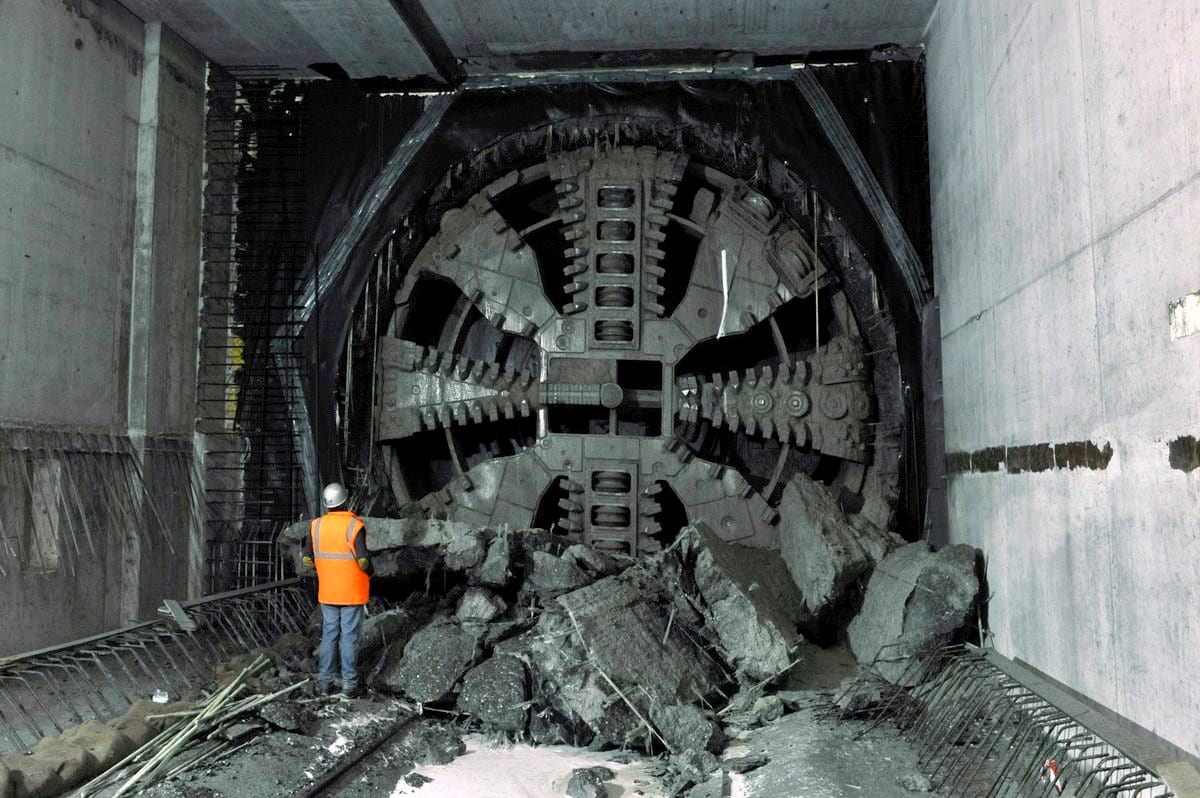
<point x="334" y="495"/>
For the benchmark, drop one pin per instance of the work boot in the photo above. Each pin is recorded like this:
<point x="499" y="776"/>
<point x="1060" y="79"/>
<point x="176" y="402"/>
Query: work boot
<point x="321" y="690"/>
<point x="356" y="691"/>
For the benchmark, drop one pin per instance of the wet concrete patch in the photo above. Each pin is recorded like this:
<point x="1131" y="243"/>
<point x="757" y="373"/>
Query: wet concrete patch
<point x="1184" y="453"/>
<point x="1034" y="457"/>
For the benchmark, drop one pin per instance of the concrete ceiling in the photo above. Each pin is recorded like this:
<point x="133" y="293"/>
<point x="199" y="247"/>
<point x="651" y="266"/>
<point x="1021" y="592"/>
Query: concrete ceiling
<point x="370" y="38"/>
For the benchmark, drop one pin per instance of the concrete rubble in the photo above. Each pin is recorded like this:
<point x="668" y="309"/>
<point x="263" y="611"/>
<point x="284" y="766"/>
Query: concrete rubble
<point x="671" y="653"/>
<point x="916" y="600"/>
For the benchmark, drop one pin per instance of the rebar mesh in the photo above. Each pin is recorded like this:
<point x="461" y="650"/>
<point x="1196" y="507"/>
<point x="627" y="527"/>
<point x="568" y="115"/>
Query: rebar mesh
<point x="49" y="691"/>
<point x="982" y="733"/>
<point x="254" y="257"/>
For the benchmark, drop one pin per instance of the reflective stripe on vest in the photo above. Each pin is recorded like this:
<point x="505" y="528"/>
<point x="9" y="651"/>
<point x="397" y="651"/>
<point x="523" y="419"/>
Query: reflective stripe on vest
<point x="321" y="555"/>
<point x="340" y="580"/>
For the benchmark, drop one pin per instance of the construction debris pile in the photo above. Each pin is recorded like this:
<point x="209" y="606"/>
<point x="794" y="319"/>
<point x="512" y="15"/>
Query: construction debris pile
<point x="670" y="653"/>
<point x="152" y="741"/>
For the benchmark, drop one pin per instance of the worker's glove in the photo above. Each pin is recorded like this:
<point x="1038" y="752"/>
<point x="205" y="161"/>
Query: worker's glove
<point x="308" y="562"/>
<point x="365" y="564"/>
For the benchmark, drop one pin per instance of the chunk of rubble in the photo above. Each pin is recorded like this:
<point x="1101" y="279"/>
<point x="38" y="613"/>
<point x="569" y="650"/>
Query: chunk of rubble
<point x="287" y="715"/>
<point x="595" y="564"/>
<point x="433" y="661"/>
<point x="824" y="553"/>
<point x="603" y="654"/>
<point x="466" y="551"/>
<point x="589" y="782"/>
<point x="916" y="601"/>
<point x="745" y="764"/>
<point x="686" y="726"/>
<point x="389" y="628"/>
<point x="479" y="605"/>
<point x="429" y="744"/>
<point x="551" y="576"/>
<point x="496" y="692"/>
<point x="496" y="569"/>
<point x="750" y="601"/>
<point x="100" y="741"/>
<point x="400" y="547"/>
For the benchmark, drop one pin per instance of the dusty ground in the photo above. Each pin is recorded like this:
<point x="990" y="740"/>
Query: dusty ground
<point x="809" y="755"/>
<point x="812" y="756"/>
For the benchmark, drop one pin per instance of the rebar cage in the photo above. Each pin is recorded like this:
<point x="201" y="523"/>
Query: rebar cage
<point x="49" y="691"/>
<point x="985" y="727"/>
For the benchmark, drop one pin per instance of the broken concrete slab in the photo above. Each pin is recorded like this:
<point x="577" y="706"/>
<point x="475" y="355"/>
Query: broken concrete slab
<point x="603" y="654"/>
<point x="750" y="600"/>
<point x="496" y="569"/>
<point x="385" y="629"/>
<point x="595" y="564"/>
<point x="686" y="726"/>
<point x="398" y="546"/>
<point x="823" y="552"/>
<point x="466" y="551"/>
<point x="496" y="692"/>
<point x="480" y="605"/>
<point x="434" y="659"/>
<point x="551" y="576"/>
<point x="916" y="600"/>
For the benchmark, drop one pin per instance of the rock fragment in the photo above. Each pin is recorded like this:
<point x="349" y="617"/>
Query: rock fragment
<point x="496" y="569"/>
<point x="400" y="547"/>
<point x="745" y="764"/>
<point x="100" y="741"/>
<point x="479" y="605"/>
<point x="916" y="600"/>
<point x="385" y="629"/>
<point x="915" y="782"/>
<point x="589" y="782"/>
<point x="496" y="692"/>
<point x="434" y="660"/>
<point x="608" y="640"/>
<point x="465" y="551"/>
<point x="595" y="564"/>
<point x="70" y="762"/>
<point x="750" y="601"/>
<point x="551" y="576"/>
<point x="686" y="726"/>
<point x="287" y="715"/>
<point x="823" y="552"/>
<point x="33" y="777"/>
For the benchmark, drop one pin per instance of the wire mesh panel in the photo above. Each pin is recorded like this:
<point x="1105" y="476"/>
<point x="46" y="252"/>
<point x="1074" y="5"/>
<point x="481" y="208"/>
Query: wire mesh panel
<point x="982" y="731"/>
<point x="254" y="255"/>
<point x="47" y="692"/>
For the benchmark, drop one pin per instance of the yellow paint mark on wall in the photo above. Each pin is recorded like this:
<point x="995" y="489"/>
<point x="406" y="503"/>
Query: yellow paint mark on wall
<point x="237" y="359"/>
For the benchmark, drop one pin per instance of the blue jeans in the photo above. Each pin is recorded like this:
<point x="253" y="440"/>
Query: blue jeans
<point x="348" y="622"/>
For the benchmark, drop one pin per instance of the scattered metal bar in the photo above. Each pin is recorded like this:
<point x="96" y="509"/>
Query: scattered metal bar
<point x="106" y="673"/>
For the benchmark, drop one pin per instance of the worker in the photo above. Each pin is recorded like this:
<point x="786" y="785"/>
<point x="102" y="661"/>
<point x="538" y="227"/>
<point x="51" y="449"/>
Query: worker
<point x="336" y="547"/>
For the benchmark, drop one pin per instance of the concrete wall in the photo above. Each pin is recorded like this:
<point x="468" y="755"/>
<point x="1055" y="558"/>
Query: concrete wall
<point x="1065" y="152"/>
<point x="101" y="158"/>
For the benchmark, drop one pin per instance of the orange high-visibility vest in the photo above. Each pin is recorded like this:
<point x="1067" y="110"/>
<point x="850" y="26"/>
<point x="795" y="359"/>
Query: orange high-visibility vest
<point x="339" y="579"/>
